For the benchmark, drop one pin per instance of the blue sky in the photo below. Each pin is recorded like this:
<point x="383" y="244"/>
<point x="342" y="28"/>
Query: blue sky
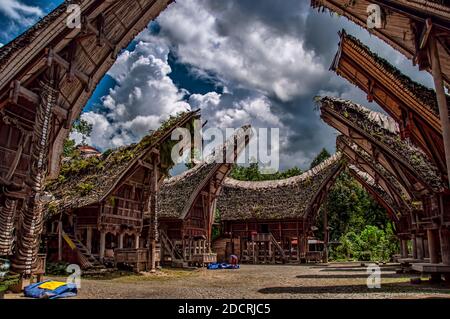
<point x="238" y="62"/>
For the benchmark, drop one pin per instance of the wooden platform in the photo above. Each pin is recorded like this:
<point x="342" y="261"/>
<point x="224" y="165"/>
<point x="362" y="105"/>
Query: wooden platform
<point x="431" y="268"/>
<point x="410" y="261"/>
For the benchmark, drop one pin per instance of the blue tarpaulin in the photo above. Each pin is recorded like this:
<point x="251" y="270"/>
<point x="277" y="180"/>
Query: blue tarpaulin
<point x="50" y="289"/>
<point x="222" y="266"/>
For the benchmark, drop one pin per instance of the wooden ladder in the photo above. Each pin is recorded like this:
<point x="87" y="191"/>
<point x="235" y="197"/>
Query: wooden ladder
<point x="87" y="260"/>
<point x="168" y="246"/>
<point x="278" y="247"/>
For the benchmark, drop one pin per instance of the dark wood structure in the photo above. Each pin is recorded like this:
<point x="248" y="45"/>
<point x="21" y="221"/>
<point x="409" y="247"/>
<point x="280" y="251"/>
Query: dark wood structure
<point x="410" y="165"/>
<point x="271" y="221"/>
<point x="420" y="30"/>
<point x="187" y="204"/>
<point x="413" y="106"/>
<point x="100" y="203"/>
<point x="400" y="206"/>
<point x="46" y="77"/>
<point x="407" y="26"/>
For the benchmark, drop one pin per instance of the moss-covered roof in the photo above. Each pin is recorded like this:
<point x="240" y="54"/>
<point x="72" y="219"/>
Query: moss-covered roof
<point x="84" y="182"/>
<point x="177" y="193"/>
<point x="422" y="93"/>
<point x="32" y="33"/>
<point x="280" y="199"/>
<point x="384" y="130"/>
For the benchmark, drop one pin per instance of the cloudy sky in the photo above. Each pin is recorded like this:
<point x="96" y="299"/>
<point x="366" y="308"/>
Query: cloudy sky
<point x="240" y="62"/>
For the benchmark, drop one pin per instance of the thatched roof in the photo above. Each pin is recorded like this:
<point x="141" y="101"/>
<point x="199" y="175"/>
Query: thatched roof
<point x="90" y="51"/>
<point x="29" y="35"/>
<point x="420" y="92"/>
<point x="280" y="199"/>
<point x="400" y="17"/>
<point x="178" y="193"/>
<point x="383" y="129"/>
<point x="85" y="182"/>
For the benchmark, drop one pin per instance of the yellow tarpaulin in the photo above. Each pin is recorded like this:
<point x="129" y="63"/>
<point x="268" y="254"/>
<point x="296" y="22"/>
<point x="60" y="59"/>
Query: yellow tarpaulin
<point x="52" y="285"/>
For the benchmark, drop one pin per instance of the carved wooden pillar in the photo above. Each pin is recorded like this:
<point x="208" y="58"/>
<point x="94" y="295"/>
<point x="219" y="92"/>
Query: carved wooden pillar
<point x="7" y="214"/>
<point x="152" y="209"/>
<point x="30" y="228"/>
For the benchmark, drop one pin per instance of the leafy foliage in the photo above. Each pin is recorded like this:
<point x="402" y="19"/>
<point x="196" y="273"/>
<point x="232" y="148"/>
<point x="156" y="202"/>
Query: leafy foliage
<point x="351" y="208"/>
<point x="253" y="173"/>
<point x="84" y="128"/>
<point x="371" y="244"/>
<point x="356" y="221"/>
<point x="323" y="156"/>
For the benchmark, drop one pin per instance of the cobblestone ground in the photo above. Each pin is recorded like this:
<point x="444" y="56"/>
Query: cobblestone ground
<point x="347" y="280"/>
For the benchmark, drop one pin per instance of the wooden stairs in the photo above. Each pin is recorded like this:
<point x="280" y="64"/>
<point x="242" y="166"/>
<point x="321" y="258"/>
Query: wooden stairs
<point x="87" y="260"/>
<point x="170" y="253"/>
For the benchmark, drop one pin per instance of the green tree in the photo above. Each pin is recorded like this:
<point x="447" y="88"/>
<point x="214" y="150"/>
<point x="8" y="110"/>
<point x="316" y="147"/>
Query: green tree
<point x="322" y="156"/>
<point x="84" y="128"/>
<point x="253" y="173"/>
<point x="69" y="148"/>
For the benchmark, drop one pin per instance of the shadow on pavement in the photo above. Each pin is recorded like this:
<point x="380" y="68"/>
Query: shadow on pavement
<point x="352" y="289"/>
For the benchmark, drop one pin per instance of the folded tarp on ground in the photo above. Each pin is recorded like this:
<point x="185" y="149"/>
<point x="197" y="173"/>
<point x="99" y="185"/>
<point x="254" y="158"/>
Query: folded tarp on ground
<point x="50" y="289"/>
<point x="222" y="266"/>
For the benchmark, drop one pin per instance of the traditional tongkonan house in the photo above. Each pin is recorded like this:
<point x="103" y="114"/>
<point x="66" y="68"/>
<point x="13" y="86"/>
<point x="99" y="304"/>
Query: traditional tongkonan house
<point x="187" y="204"/>
<point x="410" y="165"/>
<point x="271" y="221"/>
<point x="98" y="211"/>
<point x="413" y="106"/>
<point x="47" y="75"/>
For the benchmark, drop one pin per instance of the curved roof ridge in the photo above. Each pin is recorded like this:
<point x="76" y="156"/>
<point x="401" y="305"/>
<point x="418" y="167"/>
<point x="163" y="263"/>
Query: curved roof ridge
<point x="230" y="182"/>
<point x="424" y="94"/>
<point x="212" y="157"/>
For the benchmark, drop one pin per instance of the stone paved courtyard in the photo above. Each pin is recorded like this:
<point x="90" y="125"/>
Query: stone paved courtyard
<point x="259" y="281"/>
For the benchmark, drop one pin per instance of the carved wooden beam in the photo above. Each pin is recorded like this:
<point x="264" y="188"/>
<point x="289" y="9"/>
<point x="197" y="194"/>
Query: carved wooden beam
<point x="17" y="90"/>
<point x="54" y="57"/>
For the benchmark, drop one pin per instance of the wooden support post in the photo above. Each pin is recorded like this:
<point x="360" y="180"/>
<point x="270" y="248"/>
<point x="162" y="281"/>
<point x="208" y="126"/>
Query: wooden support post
<point x="404" y="248"/>
<point x="121" y="237"/>
<point x="60" y="241"/>
<point x="102" y="245"/>
<point x="136" y="241"/>
<point x="441" y="98"/>
<point x="89" y="239"/>
<point x="414" y="246"/>
<point x="425" y="248"/>
<point x="445" y="245"/>
<point x="433" y="246"/>
<point x="419" y="247"/>
<point x="325" y="237"/>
